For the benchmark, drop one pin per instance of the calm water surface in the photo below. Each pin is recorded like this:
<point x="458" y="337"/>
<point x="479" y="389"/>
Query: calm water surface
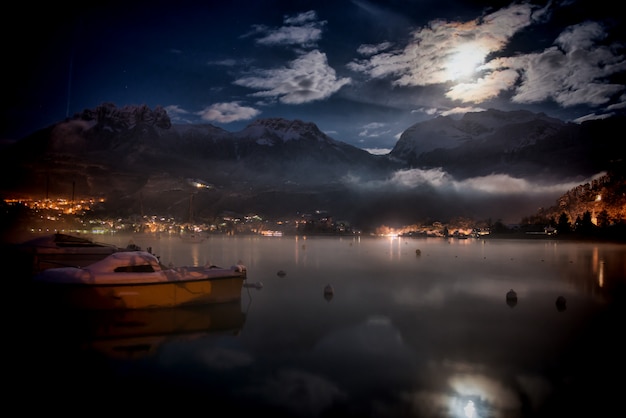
<point x="414" y="328"/>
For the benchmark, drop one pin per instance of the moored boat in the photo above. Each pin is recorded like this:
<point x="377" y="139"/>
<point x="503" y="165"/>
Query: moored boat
<point x="60" y="250"/>
<point x="137" y="280"/>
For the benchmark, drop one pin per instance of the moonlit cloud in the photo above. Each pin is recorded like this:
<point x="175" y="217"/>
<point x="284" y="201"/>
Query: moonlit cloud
<point x="459" y="110"/>
<point x="307" y="78"/>
<point x="301" y="18"/>
<point x="373" y="49"/>
<point x="483" y="89"/>
<point x="378" y="151"/>
<point x="303" y="30"/>
<point x="226" y="62"/>
<point x="495" y="184"/>
<point x="592" y="116"/>
<point x="405" y="180"/>
<point x="373" y="130"/>
<point x="572" y="72"/>
<point x="470" y="383"/>
<point x="506" y="185"/>
<point x="620" y="105"/>
<point x="434" y="192"/>
<point x="301" y="392"/>
<point x="175" y="110"/>
<point x="431" y="56"/>
<point x="177" y="114"/>
<point x="228" y="112"/>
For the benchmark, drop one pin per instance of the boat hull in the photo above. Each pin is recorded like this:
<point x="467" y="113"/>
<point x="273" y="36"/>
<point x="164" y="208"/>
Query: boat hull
<point x="141" y="296"/>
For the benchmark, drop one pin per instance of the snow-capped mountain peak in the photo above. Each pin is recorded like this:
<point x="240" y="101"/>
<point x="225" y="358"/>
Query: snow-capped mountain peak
<point x="271" y="131"/>
<point x="508" y="130"/>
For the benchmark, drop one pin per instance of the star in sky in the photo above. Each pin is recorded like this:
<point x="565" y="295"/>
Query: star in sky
<point x="362" y="70"/>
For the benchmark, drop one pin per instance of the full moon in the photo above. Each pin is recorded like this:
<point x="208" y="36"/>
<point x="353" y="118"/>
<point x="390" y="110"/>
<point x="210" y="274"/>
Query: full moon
<point x="464" y="62"/>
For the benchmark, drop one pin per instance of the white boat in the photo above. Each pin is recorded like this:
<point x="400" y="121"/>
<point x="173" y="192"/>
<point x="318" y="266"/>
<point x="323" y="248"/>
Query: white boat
<point x="137" y="280"/>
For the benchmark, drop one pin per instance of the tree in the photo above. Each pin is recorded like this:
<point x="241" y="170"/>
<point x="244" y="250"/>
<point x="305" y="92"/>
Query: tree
<point x="499" y="227"/>
<point x="564" y="226"/>
<point x="603" y="219"/>
<point x="585" y="226"/>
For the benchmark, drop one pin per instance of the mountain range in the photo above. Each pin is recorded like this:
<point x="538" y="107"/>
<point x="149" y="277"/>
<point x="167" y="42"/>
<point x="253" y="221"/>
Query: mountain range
<point x="491" y="164"/>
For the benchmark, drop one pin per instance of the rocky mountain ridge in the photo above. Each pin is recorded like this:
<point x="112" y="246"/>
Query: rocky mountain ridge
<point x="449" y="132"/>
<point x="139" y="161"/>
<point x="520" y="144"/>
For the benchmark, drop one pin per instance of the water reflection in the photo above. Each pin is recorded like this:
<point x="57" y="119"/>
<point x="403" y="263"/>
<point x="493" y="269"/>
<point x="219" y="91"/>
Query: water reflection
<point x="133" y="334"/>
<point x="329" y="292"/>
<point x="404" y="336"/>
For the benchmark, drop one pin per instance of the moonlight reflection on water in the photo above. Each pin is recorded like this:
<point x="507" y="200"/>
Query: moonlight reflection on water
<point x="428" y="333"/>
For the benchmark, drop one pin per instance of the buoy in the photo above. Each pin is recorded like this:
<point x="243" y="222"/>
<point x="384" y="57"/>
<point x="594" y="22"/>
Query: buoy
<point x="511" y="298"/>
<point x="329" y="292"/>
<point x="418" y="252"/>
<point x="256" y="285"/>
<point x="561" y="304"/>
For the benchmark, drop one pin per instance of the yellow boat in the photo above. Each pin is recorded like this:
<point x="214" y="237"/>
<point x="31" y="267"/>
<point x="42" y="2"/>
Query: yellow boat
<point x="137" y="280"/>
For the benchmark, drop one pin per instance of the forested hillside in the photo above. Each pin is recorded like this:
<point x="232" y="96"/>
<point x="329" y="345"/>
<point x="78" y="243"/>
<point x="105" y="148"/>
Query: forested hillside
<point x="592" y="207"/>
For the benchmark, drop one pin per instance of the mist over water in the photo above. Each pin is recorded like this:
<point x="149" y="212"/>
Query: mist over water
<point x="413" y="327"/>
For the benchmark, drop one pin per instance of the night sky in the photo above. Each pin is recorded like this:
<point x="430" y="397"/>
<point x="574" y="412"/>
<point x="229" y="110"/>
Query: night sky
<point x="363" y="71"/>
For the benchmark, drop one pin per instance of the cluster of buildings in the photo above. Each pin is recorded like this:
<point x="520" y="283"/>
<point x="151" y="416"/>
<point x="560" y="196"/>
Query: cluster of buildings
<point x="50" y="215"/>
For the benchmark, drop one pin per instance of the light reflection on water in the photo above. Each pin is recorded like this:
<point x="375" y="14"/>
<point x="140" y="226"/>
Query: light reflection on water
<point x="415" y="328"/>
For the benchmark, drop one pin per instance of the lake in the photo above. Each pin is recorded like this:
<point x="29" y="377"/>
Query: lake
<point x="413" y="328"/>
